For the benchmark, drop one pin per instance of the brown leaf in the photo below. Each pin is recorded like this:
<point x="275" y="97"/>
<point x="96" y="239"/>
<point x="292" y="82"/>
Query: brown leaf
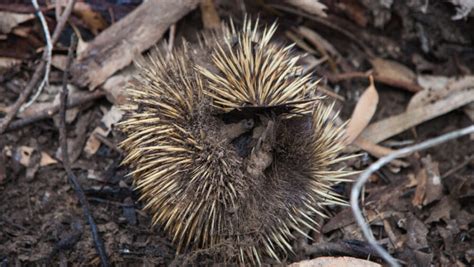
<point x="381" y="130"/>
<point x="335" y="262"/>
<point x="23" y="155"/>
<point x="363" y="112"/>
<point x="417" y="232"/>
<point x="112" y="116"/>
<point x="429" y="186"/>
<point x="442" y="210"/>
<point x="393" y="70"/>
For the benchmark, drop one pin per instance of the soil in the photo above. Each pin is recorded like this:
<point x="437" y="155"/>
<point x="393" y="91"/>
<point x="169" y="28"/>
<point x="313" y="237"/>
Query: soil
<point x="42" y="222"/>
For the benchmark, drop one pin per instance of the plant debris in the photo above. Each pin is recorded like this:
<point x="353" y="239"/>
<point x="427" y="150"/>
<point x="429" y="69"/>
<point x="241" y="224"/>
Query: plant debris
<point x="419" y="53"/>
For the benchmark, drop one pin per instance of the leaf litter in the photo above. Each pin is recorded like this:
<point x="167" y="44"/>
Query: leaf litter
<point x="419" y="207"/>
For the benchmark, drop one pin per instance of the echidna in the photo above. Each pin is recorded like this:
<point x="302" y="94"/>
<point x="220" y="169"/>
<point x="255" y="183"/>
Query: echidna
<point x="229" y="144"/>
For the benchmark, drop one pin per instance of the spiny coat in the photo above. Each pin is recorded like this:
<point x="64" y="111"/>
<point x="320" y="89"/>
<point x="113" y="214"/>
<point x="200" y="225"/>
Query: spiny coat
<point x="230" y="146"/>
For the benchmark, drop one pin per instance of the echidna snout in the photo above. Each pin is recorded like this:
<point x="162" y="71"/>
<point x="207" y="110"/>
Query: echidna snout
<point x="232" y="148"/>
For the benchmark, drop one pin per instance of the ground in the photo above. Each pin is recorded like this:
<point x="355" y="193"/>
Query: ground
<point x="41" y="219"/>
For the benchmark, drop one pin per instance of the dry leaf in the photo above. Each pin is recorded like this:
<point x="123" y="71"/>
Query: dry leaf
<point x="311" y="6"/>
<point x="378" y="152"/>
<point x="384" y="129"/>
<point x="429" y="187"/>
<point x="463" y="8"/>
<point x="59" y="61"/>
<point x="438" y="87"/>
<point x="392" y="70"/>
<point x="23" y="156"/>
<point x="9" y="20"/>
<point x="112" y="116"/>
<point x="335" y="262"/>
<point x="6" y="62"/>
<point x="363" y="112"/>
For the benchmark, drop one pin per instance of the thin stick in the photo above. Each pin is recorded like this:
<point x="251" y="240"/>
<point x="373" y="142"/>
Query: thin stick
<point x="457" y="168"/>
<point x="99" y="245"/>
<point x="48" y="55"/>
<point x="39" y="70"/>
<point x="355" y="193"/>
<point x="49" y="112"/>
<point x="108" y="143"/>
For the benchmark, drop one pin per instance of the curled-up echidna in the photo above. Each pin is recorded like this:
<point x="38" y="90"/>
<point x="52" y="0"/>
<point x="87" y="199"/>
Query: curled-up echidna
<point x="229" y="144"/>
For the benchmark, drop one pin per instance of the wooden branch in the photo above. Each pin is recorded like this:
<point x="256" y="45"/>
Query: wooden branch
<point x="51" y="111"/>
<point x="118" y="45"/>
<point x="99" y="245"/>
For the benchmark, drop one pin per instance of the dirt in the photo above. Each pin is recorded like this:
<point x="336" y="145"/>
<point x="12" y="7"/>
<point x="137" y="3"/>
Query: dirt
<point x="42" y="222"/>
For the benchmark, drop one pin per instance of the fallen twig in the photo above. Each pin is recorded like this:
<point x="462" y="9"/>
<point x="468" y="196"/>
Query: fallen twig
<point x="99" y="245"/>
<point x="458" y="167"/>
<point x="327" y="23"/>
<point x="108" y="143"/>
<point x="353" y="248"/>
<point x="356" y="189"/>
<point x="49" y="112"/>
<point x="39" y="70"/>
<point x="48" y="56"/>
<point x="141" y="29"/>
